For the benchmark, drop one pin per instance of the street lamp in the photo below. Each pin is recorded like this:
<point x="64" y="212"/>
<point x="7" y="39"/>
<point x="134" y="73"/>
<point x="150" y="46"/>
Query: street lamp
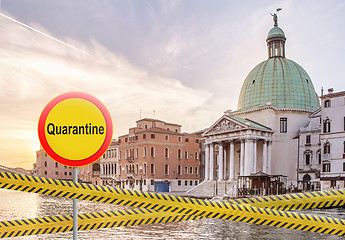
<point x="141" y="178"/>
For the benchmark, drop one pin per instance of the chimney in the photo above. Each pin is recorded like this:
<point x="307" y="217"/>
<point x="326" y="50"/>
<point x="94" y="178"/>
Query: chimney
<point x="321" y="91"/>
<point x="330" y="90"/>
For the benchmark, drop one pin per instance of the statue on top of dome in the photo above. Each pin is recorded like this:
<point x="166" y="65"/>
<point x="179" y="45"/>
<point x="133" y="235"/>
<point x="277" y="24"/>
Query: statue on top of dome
<point x="275" y="17"/>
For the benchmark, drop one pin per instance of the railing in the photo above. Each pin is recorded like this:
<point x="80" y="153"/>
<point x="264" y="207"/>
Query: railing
<point x="326" y="156"/>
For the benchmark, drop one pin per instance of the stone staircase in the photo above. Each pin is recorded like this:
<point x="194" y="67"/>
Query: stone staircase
<point x="211" y="188"/>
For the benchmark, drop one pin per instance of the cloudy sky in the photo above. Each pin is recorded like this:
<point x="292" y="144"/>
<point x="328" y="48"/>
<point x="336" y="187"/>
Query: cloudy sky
<point x="183" y="60"/>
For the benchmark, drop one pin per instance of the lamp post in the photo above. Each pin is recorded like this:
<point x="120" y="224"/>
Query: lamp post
<point x="141" y="178"/>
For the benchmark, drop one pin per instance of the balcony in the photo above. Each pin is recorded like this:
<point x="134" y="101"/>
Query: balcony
<point x="130" y="174"/>
<point x="96" y="173"/>
<point x="130" y="159"/>
<point x="326" y="156"/>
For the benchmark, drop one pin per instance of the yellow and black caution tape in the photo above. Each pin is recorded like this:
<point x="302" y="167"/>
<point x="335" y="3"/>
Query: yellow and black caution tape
<point x="174" y="204"/>
<point x="88" y="221"/>
<point x="297" y="201"/>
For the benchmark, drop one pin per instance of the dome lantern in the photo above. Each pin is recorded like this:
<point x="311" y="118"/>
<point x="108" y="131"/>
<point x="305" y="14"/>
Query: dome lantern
<point x="276" y="40"/>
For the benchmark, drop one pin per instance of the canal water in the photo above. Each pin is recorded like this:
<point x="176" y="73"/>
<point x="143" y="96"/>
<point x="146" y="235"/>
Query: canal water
<point x="19" y="205"/>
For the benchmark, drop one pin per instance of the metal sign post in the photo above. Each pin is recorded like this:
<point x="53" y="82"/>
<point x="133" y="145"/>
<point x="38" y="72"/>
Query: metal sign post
<point x="75" y="207"/>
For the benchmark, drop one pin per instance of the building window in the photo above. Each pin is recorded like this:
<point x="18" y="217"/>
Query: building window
<point x="45" y="163"/>
<point x="152" y="182"/>
<point x="126" y="154"/>
<point x="119" y="155"/>
<point x="179" y="182"/>
<point x="180" y="139"/>
<point x="144" y="152"/>
<point x="185" y="170"/>
<point x="136" y="169"/>
<point x="344" y="123"/>
<point x="144" y="136"/>
<point x="191" y="170"/>
<point x="120" y="170"/>
<point x="186" y="140"/>
<point x="186" y="183"/>
<point x="327" y="126"/>
<point x="319" y="156"/>
<point x="126" y="139"/>
<point x="327" y="103"/>
<point x="166" y="152"/>
<point x="327" y="148"/>
<point x="145" y="126"/>
<point x="283" y="125"/>
<point x="152" y="151"/>
<point x="152" y="169"/>
<point x="196" y="140"/>
<point x="343" y="166"/>
<point x="179" y="170"/>
<point x="196" y="182"/>
<point x="307" y="139"/>
<point x="65" y="173"/>
<point x="70" y="173"/>
<point x="119" y="141"/>
<point x="136" y="152"/>
<point x="45" y="172"/>
<point x="144" y="181"/>
<point x="326" y="167"/>
<point x="179" y="154"/>
<point x="144" y="169"/>
<point x="166" y="137"/>
<point x="166" y="169"/>
<point x="153" y="136"/>
<point x="191" y="183"/>
<point x="307" y="158"/>
<point x="56" y="173"/>
<point x="196" y="156"/>
<point x="186" y="155"/>
<point x="196" y="171"/>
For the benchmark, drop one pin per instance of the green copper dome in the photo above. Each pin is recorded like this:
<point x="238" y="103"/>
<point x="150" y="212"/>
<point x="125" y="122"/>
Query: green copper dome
<point x="275" y="32"/>
<point x="278" y="81"/>
<point x="281" y="82"/>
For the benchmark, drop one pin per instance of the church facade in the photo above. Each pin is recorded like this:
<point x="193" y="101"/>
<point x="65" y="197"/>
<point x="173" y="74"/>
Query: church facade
<point x="261" y="136"/>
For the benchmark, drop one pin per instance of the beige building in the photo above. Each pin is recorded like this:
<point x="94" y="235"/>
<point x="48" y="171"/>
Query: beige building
<point x="46" y="167"/>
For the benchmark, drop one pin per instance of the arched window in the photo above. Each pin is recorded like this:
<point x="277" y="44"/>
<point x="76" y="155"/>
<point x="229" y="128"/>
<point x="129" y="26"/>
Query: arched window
<point x="115" y="169"/>
<point x="152" y="151"/>
<point x="196" y="170"/>
<point x="327" y="103"/>
<point x="152" y="169"/>
<point x="308" y="158"/>
<point x="96" y="167"/>
<point x="319" y="156"/>
<point x="179" y="154"/>
<point x="166" y="169"/>
<point x="327" y="126"/>
<point x="166" y="153"/>
<point x="144" y="169"/>
<point x="327" y="148"/>
<point x="179" y="170"/>
<point x="45" y="163"/>
<point x="186" y="155"/>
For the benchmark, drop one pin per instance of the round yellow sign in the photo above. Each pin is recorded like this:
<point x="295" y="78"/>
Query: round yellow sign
<point x="75" y="129"/>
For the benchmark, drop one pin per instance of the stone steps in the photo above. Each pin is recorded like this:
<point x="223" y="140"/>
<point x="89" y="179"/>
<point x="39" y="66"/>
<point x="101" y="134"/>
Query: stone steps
<point x="211" y="188"/>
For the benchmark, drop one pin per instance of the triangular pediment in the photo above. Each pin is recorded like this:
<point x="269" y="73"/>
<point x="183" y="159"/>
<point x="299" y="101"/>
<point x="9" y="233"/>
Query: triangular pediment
<point x="225" y="124"/>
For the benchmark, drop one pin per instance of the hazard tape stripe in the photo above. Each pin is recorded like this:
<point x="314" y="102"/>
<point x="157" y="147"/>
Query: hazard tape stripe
<point x="297" y="201"/>
<point x="176" y="204"/>
<point x="87" y="221"/>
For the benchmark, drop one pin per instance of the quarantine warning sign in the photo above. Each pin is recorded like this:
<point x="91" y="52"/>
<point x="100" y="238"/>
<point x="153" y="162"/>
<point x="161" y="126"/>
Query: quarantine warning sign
<point x="75" y="129"/>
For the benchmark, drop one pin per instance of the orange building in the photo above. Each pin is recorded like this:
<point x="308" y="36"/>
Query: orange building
<point x="156" y="156"/>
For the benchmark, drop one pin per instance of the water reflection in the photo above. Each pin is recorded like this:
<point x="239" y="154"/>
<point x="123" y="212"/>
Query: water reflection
<point x="16" y="205"/>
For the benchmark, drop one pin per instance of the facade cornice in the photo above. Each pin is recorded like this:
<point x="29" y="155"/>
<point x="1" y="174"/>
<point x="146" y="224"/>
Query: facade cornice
<point x="274" y="108"/>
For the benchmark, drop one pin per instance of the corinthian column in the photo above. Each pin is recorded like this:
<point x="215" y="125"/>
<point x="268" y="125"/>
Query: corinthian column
<point x="221" y="160"/>
<point x="207" y="162"/>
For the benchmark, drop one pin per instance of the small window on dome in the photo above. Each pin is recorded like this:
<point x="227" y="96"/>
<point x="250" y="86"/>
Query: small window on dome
<point x="307" y="80"/>
<point x="253" y="81"/>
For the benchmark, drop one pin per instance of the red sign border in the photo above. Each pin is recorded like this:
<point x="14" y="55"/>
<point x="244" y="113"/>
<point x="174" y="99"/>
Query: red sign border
<point x="51" y="152"/>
